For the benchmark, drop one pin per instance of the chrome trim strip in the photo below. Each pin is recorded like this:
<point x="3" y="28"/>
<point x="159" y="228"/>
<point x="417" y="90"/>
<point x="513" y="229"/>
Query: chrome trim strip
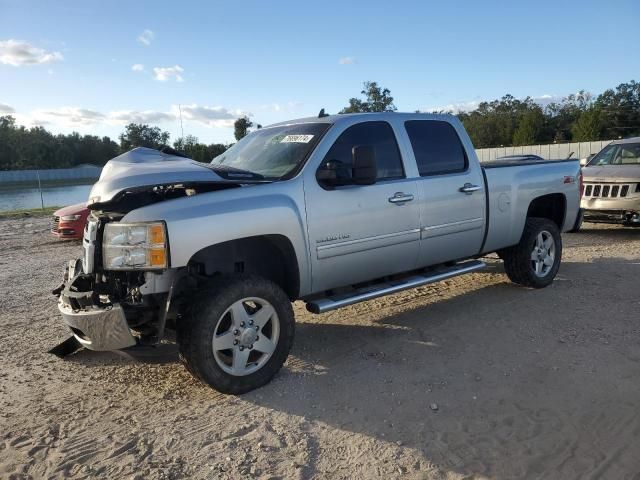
<point x="326" y="304"/>
<point x="453" y="227"/>
<point x="368" y="243"/>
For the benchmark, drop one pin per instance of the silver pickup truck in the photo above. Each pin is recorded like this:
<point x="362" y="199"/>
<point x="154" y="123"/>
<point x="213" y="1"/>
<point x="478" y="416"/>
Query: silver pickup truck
<point x="332" y="211"/>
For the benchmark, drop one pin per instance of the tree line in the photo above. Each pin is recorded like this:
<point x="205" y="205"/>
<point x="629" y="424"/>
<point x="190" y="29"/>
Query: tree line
<point x="36" y="148"/>
<point x="507" y="121"/>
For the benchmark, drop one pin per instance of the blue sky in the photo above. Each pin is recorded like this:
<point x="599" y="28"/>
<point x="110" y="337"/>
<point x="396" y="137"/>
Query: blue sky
<point x="68" y="64"/>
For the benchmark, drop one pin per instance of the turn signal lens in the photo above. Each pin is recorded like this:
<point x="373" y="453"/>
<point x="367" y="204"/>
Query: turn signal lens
<point x="157" y="257"/>
<point x="156" y="234"/>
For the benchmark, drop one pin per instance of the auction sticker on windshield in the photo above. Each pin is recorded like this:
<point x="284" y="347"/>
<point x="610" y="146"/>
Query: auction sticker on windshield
<point x="296" y="139"/>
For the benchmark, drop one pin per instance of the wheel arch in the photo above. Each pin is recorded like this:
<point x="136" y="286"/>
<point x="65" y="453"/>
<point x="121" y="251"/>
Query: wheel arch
<point x="552" y="207"/>
<point x="270" y="256"/>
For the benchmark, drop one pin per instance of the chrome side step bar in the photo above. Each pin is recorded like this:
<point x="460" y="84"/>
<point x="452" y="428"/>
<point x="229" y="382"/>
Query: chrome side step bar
<point x="326" y="304"/>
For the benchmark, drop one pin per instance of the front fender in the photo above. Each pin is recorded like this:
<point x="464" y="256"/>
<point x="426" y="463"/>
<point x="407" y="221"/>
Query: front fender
<point x="197" y="222"/>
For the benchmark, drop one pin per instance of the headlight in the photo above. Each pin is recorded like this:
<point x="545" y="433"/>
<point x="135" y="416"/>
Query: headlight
<point x="70" y="218"/>
<point x="134" y="246"/>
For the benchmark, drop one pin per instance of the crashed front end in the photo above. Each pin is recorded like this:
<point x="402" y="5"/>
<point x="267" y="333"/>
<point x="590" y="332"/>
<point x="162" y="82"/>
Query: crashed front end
<point x="117" y="295"/>
<point x="122" y="292"/>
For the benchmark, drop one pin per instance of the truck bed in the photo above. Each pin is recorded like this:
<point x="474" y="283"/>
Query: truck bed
<point x="512" y="185"/>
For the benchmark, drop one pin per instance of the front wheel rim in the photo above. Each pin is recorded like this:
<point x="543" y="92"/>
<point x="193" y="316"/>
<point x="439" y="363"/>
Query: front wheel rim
<point x="543" y="255"/>
<point x="246" y="336"/>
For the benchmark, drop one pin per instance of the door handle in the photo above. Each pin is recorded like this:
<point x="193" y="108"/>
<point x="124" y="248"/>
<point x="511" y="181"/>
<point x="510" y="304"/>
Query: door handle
<point x="469" y="188"/>
<point x="400" y="197"/>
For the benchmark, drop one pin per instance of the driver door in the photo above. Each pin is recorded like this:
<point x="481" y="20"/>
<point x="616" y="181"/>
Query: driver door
<point x="362" y="232"/>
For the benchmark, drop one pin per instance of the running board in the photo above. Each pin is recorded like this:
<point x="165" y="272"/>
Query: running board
<point x="326" y="304"/>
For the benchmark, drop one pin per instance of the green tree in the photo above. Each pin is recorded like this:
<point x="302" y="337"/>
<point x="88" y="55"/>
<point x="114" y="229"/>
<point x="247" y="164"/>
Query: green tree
<point x="241" y="127"/>
<point x="589" y="126"/>
<point x="200" y="152"/>
<point x="530" y="127"/>
<point x="141" y="135"/>
<point x="561" y="116"/>
<point x="377" y="100"/>
<point x="620" y="110"/>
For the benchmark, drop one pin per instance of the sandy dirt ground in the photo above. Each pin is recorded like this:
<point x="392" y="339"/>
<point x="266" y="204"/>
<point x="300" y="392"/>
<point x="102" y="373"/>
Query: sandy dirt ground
<point x="470" y="378"/>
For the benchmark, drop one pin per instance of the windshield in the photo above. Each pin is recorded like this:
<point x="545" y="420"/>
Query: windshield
<point x="272" y="152"/>
<point x="620" y="154"/>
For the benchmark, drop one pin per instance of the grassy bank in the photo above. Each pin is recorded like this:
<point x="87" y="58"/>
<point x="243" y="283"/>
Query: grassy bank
<point x="29" y="212"/>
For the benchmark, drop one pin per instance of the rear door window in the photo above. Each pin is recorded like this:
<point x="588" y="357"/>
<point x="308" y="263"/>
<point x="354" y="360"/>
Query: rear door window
<point x="437" y="147"/>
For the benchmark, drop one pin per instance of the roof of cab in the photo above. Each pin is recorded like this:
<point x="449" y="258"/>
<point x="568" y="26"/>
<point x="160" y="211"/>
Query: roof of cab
<point x="377" y="115"/>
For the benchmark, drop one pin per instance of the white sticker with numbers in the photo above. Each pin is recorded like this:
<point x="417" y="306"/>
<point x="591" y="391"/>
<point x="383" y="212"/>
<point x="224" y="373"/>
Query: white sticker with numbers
<point x="296" y="139"/>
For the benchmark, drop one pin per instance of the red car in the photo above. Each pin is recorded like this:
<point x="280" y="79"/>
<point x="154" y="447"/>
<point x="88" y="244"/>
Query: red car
<point x="68" y="222"/>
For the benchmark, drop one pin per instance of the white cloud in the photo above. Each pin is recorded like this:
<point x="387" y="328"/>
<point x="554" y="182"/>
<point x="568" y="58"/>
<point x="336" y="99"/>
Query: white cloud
<point x="146" y="37"/>
<point x="210" y="116"/>
<point x="68" y="116"/>
<point x="280" y="107"/>
<point x="274" y="107"/>
<point x="88" y="121"/>
<point x="146" y="116"/>
<point x="18" y="53"/>
<point x="6" y="109"/>
<point x="455" y="107"/>
<point x="468" y="106"/>
<point x="167" y="73"/>
<point x="75" y="117"/>
<point x="348" y="60"/>
<point x="137" y="67"/>
<point x="546" y="99"/>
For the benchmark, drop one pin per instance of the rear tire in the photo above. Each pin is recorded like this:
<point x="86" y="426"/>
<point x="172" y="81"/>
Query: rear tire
<point x="237" y="334"/>
<point x="534" y="262"/>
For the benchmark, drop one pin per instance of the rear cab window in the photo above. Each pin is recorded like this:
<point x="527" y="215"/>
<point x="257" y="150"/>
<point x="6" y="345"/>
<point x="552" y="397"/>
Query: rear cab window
<point x="436" y="147"/>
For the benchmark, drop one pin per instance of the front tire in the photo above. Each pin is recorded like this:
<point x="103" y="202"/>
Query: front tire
<point x="237" y="334"/>
<point x="534" y="262"/>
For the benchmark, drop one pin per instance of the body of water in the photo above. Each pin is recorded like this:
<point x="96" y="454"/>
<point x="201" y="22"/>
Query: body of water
<point x="17" y="198"/>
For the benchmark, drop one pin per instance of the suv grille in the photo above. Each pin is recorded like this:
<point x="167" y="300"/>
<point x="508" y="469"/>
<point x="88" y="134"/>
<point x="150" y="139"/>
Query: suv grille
<point x="606" y="190"/>
<point x="54" y="224"/>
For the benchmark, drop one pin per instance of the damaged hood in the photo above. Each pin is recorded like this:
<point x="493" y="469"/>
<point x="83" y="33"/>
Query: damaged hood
<point x="612" y="173"/>
<point x="143" y="167"/>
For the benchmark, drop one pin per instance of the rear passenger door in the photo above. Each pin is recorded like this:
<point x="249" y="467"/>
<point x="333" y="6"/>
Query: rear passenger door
<point x="452" y="201"/>
<point x="362" y="232"/>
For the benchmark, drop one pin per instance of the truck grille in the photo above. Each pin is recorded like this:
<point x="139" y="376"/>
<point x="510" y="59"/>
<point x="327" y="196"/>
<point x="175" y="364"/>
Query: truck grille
<point x="606" y="190"/>
<point x="54" y="223"/>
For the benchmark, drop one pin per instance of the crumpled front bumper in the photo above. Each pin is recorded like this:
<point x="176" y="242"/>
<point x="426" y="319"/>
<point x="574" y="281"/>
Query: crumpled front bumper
<point x="98" y="328"/>
<point x="95" y="326"/>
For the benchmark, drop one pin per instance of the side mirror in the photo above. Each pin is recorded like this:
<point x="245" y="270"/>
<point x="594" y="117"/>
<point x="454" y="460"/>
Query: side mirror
<point x="332" y="174"/>
<point x="365" y="170"/>
<point x="583" y="161"/>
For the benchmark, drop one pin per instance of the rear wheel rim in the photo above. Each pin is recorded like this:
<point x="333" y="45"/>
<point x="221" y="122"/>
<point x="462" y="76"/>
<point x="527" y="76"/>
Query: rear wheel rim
<point x="246" y="336"/>
<point x="543" y="255"/>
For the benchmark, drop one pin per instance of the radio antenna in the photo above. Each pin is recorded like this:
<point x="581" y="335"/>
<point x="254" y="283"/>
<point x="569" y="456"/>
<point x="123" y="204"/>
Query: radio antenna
<point x="181" y="129"/>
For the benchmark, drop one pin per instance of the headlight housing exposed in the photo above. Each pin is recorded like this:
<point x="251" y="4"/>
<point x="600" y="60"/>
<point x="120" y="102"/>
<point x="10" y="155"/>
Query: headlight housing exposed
<point x="135" y="246"/>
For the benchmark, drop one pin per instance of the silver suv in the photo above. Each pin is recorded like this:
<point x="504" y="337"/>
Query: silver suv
<point x="612" y="184"/>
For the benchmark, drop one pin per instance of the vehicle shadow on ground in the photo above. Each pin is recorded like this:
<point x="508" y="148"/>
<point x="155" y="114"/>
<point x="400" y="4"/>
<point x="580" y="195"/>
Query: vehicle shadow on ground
<point x="493" y="382"/>
<point x="617" y="233"/>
